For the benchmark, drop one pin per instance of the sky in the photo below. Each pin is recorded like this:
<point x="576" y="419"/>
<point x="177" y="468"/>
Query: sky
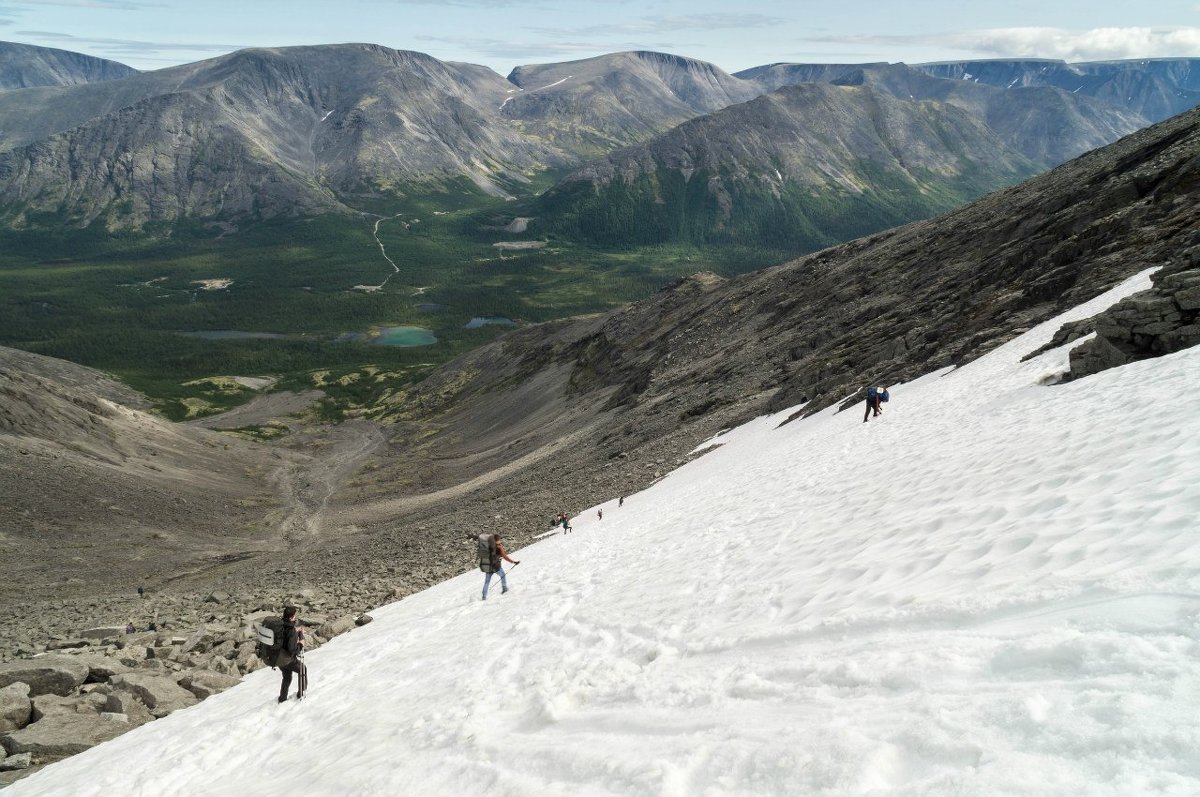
<point x="502" y="34"/>
<point x="991" y="589"/>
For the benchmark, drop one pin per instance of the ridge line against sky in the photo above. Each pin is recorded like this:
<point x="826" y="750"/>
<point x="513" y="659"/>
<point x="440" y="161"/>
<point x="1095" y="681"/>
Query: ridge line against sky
<point x="502" y="34"/>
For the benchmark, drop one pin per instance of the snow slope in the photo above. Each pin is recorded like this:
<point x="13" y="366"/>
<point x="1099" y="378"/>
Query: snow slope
<point x="992" y="589"/>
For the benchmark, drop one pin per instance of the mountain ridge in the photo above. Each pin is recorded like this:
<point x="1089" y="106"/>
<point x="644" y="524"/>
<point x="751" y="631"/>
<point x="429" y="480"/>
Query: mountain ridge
<point x="25" y="66"/>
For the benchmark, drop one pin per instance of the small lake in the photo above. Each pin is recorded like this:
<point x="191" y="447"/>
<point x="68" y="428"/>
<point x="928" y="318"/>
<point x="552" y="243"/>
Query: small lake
<point x="483" y="321"/>
<point x="404" y="336"/>
<point x="230" y="334"/>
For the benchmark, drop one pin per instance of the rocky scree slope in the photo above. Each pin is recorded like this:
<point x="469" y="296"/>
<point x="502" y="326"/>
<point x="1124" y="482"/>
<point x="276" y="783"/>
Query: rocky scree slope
<point x="25" y="65"/>
<point x="642" y="386"/>
<point x="96" y="494"/>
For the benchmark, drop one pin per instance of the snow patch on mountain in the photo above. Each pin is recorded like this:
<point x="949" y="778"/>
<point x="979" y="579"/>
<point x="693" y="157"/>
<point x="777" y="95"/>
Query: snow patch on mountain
<point x="992" y="588"/>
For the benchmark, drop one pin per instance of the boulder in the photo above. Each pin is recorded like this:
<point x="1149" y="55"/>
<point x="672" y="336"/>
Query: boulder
<point x="16" y="709"/>
<point x="15" y="762"/>
<point x="159" y="694"/>
<point x="62" y="735"/>
<point x="54" y="705"/>
<point x="67" y="644"/>
<point x="1098" y="354"/>
<point x="219" y="596"/>
<point x="339" y="626"/>
<point x="57" y="675"/>
<point x="206" y="683"/>
<point x="103" y="632"/>
<point x="363" y="619"/>
<point x="102" y="668"/>
<point x="128" y="706"/>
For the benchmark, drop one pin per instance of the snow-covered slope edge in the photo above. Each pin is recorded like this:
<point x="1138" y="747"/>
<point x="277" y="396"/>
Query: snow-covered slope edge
<point x="992" y="589"/>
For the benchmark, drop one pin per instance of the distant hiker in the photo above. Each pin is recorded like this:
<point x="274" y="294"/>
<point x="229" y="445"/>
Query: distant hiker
<point x="565" y="521"/>
<point x="600" y="514"/>
<point x="491" y="551"/>
<point x="621" y="503"/>
<point x="129" y="629"/>
<point x="281" y="645"/>
<point x="141" y="592"/>
<point x="875" y="398"/>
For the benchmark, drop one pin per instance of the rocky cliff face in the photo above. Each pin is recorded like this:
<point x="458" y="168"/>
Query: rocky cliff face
<point x="23" y="66"/>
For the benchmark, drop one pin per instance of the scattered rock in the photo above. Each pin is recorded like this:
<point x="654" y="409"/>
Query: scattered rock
<point x="363" y="619"/>
<point x="62" y="735"/>
<point x="58" y="675"/>
<point x="339" y="626"/>
<point x="159" y="694"/>
<point x="103" y="632"/>
<point x="14" y="762"/>
<point x="15" y="707"/>
<point x="127" y="705"/>
<point x="220" y="596"/>
<point x="54" y="705"/>
<point x="205" y="683"/>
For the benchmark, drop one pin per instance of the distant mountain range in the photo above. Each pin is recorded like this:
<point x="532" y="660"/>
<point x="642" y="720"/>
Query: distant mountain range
<point x="308" y="130"/>
<point x="806" y="166"/>
<point x="24" y="66"/>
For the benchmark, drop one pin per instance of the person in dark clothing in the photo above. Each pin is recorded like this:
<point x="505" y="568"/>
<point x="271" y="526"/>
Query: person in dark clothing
<point x="290" y="656"/>
<point x="875" y="399"/>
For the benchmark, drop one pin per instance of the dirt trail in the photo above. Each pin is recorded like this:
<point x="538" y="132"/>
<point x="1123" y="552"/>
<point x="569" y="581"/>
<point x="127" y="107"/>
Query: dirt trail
<point x="306" y="486"/>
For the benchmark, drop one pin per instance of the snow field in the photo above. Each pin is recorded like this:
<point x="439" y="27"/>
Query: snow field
<point x="994" y="588"/>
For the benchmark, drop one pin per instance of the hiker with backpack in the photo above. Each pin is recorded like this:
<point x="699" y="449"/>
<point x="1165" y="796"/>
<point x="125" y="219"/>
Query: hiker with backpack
<point x="281" y="644"/>
<point x="491" y="552"/>
<point x="565" y="521"/>
<point x="875" y="398"/>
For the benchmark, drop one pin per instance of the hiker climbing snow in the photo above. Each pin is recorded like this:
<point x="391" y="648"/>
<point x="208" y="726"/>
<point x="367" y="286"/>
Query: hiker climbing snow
<point x="875" y="398"/>
<point x="281" y="644"/>
<point x="491" y="551"/>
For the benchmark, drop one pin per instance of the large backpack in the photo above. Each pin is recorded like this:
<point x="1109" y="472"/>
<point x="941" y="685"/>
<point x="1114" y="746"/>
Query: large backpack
<point x="270" y="634"/>
<point x="872" y="392"/>
<point x="489" y="557"/>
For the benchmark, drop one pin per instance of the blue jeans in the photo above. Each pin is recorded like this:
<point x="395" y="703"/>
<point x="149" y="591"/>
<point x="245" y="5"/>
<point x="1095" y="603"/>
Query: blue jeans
<point x="487" y="579"/>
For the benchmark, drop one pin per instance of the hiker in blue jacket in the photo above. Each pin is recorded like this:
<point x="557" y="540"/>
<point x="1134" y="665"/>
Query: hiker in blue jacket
<point x="875" y="398"/>
<point x="491" y="551"/>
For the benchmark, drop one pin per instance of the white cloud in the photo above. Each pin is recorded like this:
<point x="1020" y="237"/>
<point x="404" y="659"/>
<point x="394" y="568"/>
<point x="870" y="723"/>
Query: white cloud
<point x="1097" y="44"/>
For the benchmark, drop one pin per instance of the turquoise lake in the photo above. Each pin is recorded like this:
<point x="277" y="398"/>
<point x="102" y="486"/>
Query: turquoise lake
<point x="404" y="336"/>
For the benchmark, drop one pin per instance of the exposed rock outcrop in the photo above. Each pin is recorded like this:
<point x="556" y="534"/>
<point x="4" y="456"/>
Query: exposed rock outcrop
<point x="1159" y="321"/>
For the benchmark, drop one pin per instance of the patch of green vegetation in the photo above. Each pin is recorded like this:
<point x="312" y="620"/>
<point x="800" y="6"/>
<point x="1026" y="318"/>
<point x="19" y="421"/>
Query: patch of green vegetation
<point x="260" y="434"/>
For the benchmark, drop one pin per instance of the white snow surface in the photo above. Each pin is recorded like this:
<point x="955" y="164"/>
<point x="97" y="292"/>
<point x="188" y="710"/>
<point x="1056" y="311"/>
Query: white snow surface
<point x="993" y="588"/>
